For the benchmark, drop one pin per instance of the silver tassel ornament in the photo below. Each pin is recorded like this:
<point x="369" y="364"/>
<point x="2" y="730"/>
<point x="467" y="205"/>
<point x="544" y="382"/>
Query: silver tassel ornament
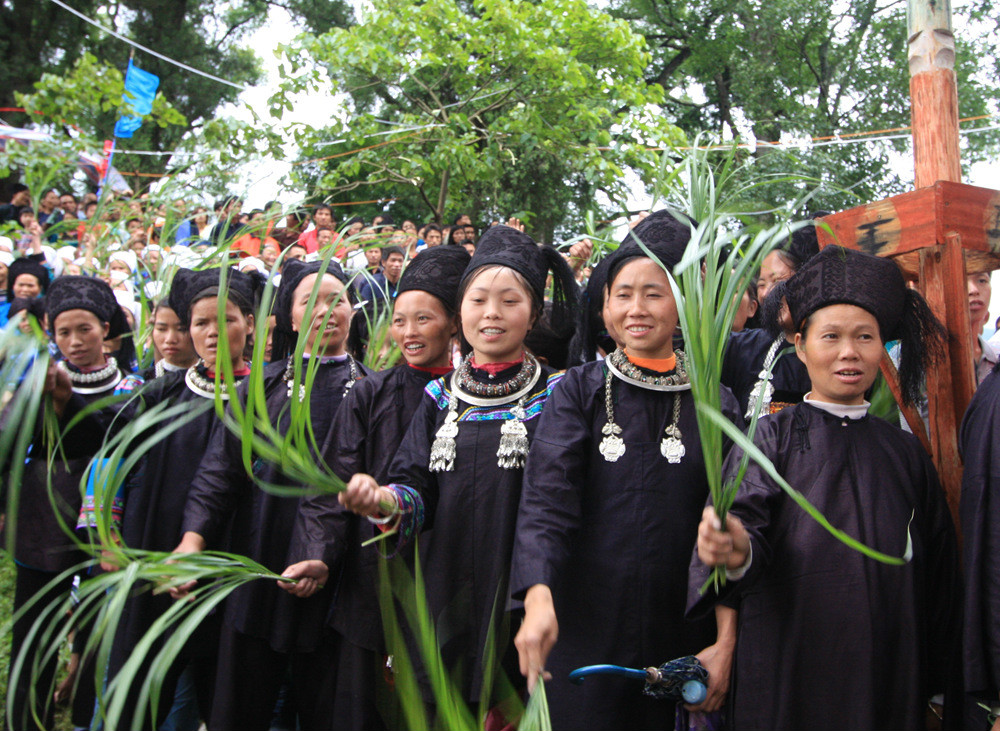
<point x="443" y="449"/>
<point x="513" y="450"/>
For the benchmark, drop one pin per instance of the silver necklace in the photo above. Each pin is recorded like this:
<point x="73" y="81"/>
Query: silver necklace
<point x="161" y="367"/>
<point x="289" y="377"/>
<point x="619" y="364"/>
<point x="85" y="379"/>
<point x="612" y="446"/>
<point x="763" y="390"/>
<point x="205" y="387"/>
<point x="513" y="448"/>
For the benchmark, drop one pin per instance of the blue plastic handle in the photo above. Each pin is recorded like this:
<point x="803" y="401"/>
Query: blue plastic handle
<point x="580" y="674"/>
<point x="694" y="692"/>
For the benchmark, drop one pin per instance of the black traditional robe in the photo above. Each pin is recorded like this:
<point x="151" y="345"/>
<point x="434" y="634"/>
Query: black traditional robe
<point x="744" y="361"/>
<point x="828" y="638"/>
<point x="154" y="505"/>
<point x="40" y="541"/>
<point x="469" y="527"/>
<point x="980" y="514"/>
<point x="612" y="540"/>
<point x="365" y="436"/>
<point x="42" y="548"/>
<point x="226" y="508"/>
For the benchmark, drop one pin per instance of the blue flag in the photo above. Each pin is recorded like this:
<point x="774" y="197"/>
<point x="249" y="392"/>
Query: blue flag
<point x="142" y="87"/>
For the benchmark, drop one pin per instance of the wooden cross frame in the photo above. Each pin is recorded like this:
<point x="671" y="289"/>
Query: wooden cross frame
<point x="937" y="234"/>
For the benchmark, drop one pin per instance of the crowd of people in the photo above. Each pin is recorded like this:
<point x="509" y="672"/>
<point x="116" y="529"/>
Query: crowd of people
<point x="535" y="448"/>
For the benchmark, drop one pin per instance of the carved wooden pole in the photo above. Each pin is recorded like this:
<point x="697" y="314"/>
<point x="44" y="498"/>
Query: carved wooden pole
<point x="933" y="91"/>
<point x="934" y="113"/>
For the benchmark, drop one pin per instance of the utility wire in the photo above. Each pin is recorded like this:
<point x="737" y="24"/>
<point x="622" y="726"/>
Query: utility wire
<point x="150" y="51"/>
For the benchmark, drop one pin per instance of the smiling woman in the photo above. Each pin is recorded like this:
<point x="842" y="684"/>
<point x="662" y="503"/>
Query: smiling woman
<point x="617" y="468"/>
<point x="460" y="466"/>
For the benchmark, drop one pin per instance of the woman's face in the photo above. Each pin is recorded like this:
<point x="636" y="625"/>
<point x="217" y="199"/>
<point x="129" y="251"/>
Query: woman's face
<point x="330" y="337"/>
<point x="3" y="275"/>
<point x="496" y="315"/>
<point x="171" y="339"/>
<point x="119" y="266"/>
<point x="24" y="322"/>
<point x="841" y="350"/>
<point x="773" y="269"/>
<point x="980" y="288"/>
<point x="27" y="285"/>
<point x="642" y="309"/>
<point x="422" y="329"/>
<point x="204" y="331"/>
<point x="79" y="335"/>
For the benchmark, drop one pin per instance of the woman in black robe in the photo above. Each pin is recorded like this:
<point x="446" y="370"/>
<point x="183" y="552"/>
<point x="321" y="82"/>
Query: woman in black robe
<point x="155" y="496"/>
<point x="268" y="629"/>
<point x="457" y="474"/>
<point x="829" y="638"/>
<point x="980" y="520"/>
<point x="83" y="313"/>
<point x="613" y="493"/>
<point x="364" y="438"/>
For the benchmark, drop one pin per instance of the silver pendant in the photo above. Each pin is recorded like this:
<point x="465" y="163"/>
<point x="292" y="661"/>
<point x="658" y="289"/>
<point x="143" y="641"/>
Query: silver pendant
<point x="513" y="449"/>
<point x="443" y="450"/>
<point x="761" y="394"/>
<point x="302" y="391"/>
<point x="671" y="446"/>
<point x="612" y="447"/>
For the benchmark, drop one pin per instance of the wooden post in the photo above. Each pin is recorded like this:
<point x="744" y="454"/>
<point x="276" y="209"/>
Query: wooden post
<point x="936" y="234"/>
<point x="934" y="114"/>
<point x="933" y="92"/>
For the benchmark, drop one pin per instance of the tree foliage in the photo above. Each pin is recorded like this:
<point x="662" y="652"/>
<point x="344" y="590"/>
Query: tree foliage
<point x="488" y="108"/>
<point x="799" y="69"/>
<point x="38" y="38"/>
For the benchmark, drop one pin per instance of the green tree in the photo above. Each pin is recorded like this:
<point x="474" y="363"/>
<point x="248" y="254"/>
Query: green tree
<point x="489" y="108"/>
<point x="805" y="69"/>
<point x="39" y="37"/>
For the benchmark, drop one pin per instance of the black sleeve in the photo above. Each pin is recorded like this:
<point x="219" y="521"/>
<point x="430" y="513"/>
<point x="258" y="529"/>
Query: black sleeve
<point x="220" y="481"/>
<point x="322" y="527"/>
<point x="551" y="500"/>
<point x="410" y="466"/>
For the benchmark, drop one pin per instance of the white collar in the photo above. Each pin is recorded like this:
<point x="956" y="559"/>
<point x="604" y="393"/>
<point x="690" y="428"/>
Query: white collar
<point x="858" y="411"/>
<point x="988" y="354"/>
<point x="170" y="367"/>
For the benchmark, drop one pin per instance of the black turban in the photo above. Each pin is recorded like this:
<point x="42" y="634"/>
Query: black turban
<point x="438" y="271"/>
<point x="843" y="276"/>
<point x="505" y="246"/>
<point x="838" y="276"/>
<point x="664" y="235"/>
<point x="189" y="286"/>
<point x="85" y="293"/>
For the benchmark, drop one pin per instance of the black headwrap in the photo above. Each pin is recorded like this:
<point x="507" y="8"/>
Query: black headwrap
<point x="665" y="236"/>
<point x="438" y="271"/>
<point x="283" y="338"/>
<point x="507" y="247"/>
<point x="83" y="293"/>
<point x="26" y="265"/>
<point x="243" y="290"/>
<point x="33" y="306"/>
<point x="843" y="276"/>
